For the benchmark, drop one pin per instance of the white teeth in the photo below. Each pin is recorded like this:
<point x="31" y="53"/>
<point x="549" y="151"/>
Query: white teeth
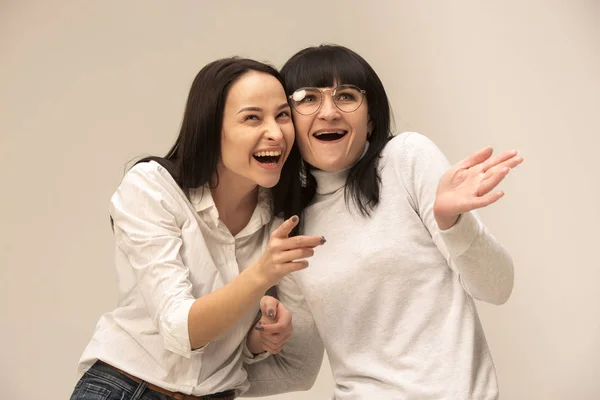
<point x="268" y="153"/>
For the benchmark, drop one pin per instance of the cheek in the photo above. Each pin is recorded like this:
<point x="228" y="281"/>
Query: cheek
<point x="360" y="128"/>
<point x="361" y="123"/>
<point x="302" y="127"/>
<point x="302" y="124"/>
<point x="289" y="134"/>
<point x="234" y="151"/>
<point x="302" y="142"/>
<point x="289" y="137"/>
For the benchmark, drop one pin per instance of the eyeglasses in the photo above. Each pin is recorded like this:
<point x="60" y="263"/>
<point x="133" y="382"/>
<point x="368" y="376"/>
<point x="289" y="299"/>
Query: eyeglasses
<point x="308" y="100"/>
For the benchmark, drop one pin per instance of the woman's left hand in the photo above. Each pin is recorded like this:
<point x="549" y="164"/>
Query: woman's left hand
<point x="275" y="326"/>
<point x="468" y="184"/>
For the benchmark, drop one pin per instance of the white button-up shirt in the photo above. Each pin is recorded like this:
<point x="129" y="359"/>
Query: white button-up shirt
<point x="169" y="252"/>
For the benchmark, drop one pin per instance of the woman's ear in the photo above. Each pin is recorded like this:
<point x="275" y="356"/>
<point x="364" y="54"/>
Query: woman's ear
<point x="369" y="127"/>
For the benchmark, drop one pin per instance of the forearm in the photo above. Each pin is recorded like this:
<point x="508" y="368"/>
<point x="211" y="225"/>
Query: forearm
<point x="487" y="272"/>
<point x="485" y="268"/>
<point x="254" y="342"/>
<point x="214" y="313"/>
<point x="296" y="367"/>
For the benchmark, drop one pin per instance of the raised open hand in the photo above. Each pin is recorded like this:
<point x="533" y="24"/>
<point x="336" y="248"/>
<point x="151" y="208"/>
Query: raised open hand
<point x="468" y="184"/>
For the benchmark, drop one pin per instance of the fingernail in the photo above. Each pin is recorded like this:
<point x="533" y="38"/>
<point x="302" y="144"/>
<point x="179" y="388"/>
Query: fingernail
<point x="259" y="328"/>
<point x="323" y="240"/>
<point x="271" y="313"/>
<point x="294" y="219"/>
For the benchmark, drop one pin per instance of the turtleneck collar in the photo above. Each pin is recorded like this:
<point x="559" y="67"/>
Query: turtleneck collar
<point x="331" y="182"/>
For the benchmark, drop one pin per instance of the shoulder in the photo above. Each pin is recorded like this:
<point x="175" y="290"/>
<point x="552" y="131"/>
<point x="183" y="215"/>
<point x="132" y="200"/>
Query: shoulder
<point x="148" y="175"/>
<point x="405" y="150"/>
<point x="148" y="182"/>
<point x="406" y="144"/>
<point x="410" y="157"/>
<point x="148" y="171"/>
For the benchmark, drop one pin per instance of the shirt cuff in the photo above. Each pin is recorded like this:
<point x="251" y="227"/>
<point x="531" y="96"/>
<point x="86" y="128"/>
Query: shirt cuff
<point x="459" y="237"/>
<point x="174" y="329"/>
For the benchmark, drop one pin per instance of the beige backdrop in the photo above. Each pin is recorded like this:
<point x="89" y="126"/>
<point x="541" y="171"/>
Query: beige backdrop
<point x="85" y="86"/>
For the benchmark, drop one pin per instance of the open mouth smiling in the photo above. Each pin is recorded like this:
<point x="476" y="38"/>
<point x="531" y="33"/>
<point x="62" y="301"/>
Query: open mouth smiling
<point x="267" y="157"/>
<point x="330" y="136"/>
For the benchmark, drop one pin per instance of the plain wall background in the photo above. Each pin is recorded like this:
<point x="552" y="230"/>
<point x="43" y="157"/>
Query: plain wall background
<point x="86" y="86"/>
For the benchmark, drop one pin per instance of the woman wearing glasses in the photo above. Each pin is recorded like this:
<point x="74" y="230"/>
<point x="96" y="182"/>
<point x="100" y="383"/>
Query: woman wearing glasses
<point x="392" y="293"/>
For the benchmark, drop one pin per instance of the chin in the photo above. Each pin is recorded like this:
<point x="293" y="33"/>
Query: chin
<point x="268" y="183"/>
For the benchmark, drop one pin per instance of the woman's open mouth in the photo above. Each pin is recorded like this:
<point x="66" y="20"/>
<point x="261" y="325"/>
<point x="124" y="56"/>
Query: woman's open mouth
<point x="330" y="136"/>
<point x="267" y="157"/>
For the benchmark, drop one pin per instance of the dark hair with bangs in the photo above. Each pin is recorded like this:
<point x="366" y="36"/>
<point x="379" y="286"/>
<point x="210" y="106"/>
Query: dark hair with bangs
<point x="324" y="66"/>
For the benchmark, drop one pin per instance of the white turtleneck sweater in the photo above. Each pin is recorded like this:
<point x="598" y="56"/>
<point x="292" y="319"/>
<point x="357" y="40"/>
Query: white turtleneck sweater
<point x="392" y="295"/>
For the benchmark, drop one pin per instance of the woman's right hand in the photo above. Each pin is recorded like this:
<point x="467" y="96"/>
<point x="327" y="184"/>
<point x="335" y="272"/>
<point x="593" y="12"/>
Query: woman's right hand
<point x="285" y="254"/>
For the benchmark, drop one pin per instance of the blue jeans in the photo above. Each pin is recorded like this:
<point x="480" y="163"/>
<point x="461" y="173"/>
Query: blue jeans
<point x="104" y="383"/>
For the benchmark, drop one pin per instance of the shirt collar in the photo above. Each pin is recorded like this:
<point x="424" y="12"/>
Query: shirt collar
<point x="204" y="204"/>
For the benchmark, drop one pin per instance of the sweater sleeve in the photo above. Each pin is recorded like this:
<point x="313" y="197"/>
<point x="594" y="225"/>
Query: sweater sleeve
<point x="484" y="267"/>
<point x="297" y="365"/>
